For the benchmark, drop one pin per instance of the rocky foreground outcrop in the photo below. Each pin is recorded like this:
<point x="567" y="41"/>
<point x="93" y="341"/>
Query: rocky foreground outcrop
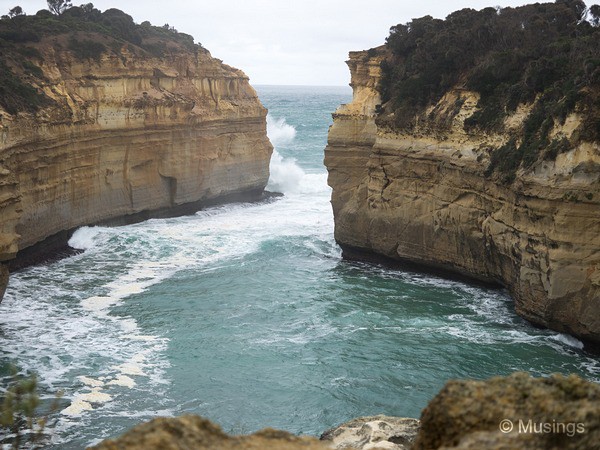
<point x="515" y="412"/>
<point x="125" y="132"/>
<point x="423" y="197"/>
<point x="374" y="432"/>
<point x="193" y="432"/>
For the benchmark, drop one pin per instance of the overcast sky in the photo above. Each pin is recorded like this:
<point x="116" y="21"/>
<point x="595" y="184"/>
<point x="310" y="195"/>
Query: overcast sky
<point x="282" y="42"/>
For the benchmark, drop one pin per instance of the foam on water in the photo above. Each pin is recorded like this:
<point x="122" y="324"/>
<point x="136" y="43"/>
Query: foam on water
<point x="95" y="396"/>
<point x="77" y="407"/>
<point x="99" y="304"/>
<point x="61" y="341"/>
<point x="279" y="131"/>
<point x="568" y="340"/>
<point x="90" y="381"/>
<point x="285" y="174"/>
<point x="73" y="318"/>
<point x="84" y="326"/>
<point x="123" y="380"/>
<point x="83" y="238"/>
<point x="129" y="369"/>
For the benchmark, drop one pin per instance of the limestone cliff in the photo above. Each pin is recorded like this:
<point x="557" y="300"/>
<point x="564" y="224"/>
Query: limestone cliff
<point x="422" y="196"/>
<point x="123" y="132"/>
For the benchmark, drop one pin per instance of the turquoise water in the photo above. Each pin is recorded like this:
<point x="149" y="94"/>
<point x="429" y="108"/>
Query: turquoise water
<point x="247" y="315"/>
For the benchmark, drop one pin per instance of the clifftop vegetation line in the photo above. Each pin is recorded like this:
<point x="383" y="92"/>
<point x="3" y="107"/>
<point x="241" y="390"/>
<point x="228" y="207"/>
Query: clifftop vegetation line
<point x="85" y="32"/>
<point x="103" y="120"/>
<point x="544" y="54"/>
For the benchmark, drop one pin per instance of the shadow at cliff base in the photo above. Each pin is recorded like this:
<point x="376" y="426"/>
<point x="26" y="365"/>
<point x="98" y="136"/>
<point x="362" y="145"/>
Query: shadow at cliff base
<point x="359" y="255"/>
<point x="56" y="247"/>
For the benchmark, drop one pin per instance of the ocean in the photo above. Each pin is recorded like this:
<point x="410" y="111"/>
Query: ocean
<point x="247" y="314"/>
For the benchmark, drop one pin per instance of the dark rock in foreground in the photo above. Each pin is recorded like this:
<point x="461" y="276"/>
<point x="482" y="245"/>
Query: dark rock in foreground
<point x="3" y="280"/>
<point x="193" y="432"/>
<point x="514" y="412"/>
<point x="517" y="412"/>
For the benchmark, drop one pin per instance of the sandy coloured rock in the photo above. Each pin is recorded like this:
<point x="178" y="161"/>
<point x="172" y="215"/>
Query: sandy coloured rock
<point x="374" y="432"/>
<point x="422" y="198"/>
<point x="130" y="135"/>
<point x="193" y="432"/>
<point x="514" y="412"/>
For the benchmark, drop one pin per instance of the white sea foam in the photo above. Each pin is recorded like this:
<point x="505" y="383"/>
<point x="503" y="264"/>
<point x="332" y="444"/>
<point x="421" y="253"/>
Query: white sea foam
<point x="285" y="174"/>
<point x="76" y="408"/>
<point x="568" y="340"/>
<point x="84" y="401"/>
<point x="62" y="343"/>
<point x="279" y="131"/>
<point x="83" y="238"/>
<point x="95" y="396"/>
<point x="314" y="183"/>
<point x="139" y="337"/>
<point x="139" y="357"/>
<point x="130" y="369"/>
<point x="90" y="381"/>
<point x="98" y="304"/>
<point x="128" y="325"/>
<point x="71" y="324"/>
<point x="122" y="380"/>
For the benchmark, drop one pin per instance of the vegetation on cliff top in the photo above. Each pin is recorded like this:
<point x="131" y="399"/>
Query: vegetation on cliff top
<point x="545" y="53"/>
<point x="84" y="31"/>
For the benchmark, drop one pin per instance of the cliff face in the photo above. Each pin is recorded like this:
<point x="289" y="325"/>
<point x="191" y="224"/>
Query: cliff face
<point x="422" y="197"/>
<point x="125" y="134"/>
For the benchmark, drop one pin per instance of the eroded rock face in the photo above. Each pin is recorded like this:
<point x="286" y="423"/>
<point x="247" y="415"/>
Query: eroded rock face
<point x="514" y="412"/>
<point x="127" y="134"/>
<point x="374" y="432"/>
<point x="3" y="280"/>
<point x="193" y="432"/>
<point x="423" y="198"/>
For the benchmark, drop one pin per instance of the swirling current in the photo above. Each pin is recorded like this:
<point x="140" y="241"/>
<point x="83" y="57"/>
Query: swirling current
<point x="247" y="314"/>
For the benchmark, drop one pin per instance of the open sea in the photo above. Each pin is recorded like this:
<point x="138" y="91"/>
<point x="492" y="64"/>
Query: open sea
<point x="246" y="314"/>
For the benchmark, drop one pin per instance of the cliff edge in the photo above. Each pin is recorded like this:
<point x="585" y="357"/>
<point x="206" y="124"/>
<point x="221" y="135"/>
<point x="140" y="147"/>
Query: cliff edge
<point x="458" y="179"/>
<point x="101" y="119"/>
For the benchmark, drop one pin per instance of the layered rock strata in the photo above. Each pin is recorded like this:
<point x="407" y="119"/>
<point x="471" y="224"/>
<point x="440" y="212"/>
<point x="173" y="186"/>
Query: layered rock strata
<point x="423" y="198"/>
<point x="129" y="134"/>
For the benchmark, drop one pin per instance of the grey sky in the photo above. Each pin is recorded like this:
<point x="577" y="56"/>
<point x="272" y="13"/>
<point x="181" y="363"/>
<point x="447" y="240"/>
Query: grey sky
<point x="282" y="42"/>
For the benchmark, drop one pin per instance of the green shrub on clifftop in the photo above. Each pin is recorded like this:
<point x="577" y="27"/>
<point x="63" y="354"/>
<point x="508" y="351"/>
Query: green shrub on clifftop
<point x="83" y="30"/>
<point x="545" y="53"/>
